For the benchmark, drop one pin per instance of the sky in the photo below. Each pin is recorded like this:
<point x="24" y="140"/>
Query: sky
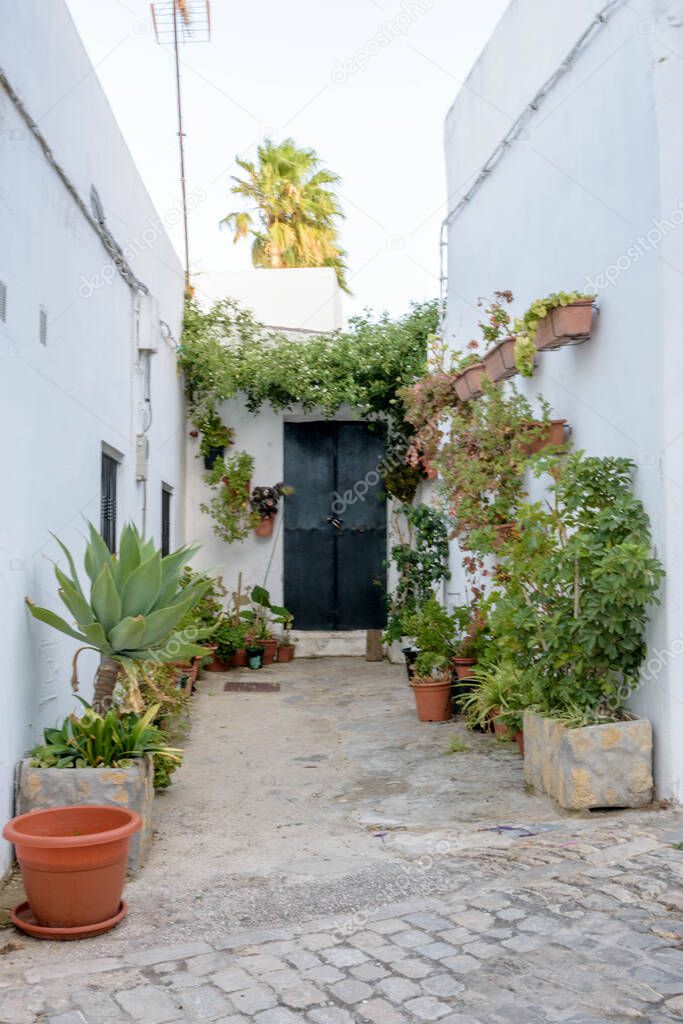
<point x="366" y="83"/>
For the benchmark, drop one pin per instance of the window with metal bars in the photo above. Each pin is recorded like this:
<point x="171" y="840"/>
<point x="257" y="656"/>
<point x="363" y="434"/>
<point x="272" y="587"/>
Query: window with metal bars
<point x="108" y="501"/>
<point x="3" y="302"/>
<point x="42" y="326"/>
<point x="165" y="520"/>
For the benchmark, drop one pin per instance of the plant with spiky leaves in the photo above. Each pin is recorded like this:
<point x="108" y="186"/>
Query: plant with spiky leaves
<point x="136" y="603"/>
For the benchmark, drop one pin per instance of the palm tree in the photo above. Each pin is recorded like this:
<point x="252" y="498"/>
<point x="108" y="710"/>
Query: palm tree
<point x="296" y="210"/>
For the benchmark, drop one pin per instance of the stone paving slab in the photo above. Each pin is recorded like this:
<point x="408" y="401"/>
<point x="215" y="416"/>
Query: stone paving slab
<point x="582" y="940"/>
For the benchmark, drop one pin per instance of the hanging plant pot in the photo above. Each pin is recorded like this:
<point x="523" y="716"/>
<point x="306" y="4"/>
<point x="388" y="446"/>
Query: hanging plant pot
<point x="432" y="700"/>
<point x="565" y="325"/>
<point x="463" y="667"/>
<point x="212" y="455"/>
<point x="269" y="650"/>
<point x="285" y="652"/>
<point x="504" y="533"/>
<point x="554" y="434"/>
<point x="468" y="384"/>
<point x="265" y="527"/>
<point x="254" y="657"/>
<point x="499" y="362"/>
<point x="73" y="866"/>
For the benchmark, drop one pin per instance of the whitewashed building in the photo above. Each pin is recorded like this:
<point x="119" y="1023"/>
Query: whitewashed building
<point x="564" y="154"/>
<point x="91" y="406"/>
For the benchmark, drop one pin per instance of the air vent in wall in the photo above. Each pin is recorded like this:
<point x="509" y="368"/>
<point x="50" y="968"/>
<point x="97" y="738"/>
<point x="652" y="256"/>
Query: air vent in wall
<point x="42" y="329"/>
<point x="3" y="302"/>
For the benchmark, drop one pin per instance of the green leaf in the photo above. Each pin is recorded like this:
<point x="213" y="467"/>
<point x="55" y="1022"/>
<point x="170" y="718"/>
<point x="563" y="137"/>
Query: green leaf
<point x="260" y="596"/>
<point x="141" y="589"/>
<point x="51" y="619"/>
<point x="97" y="555"/>
<point x="127" y="634"/>
<point x="72" y="567"/>
<point x="96" y="637"/>
<point x="171" y="566"/>
<point x="129" y="554"/>
<point x="105" y="600"/>
<point x="73" y="599"/>
<point x="160" y="625"/>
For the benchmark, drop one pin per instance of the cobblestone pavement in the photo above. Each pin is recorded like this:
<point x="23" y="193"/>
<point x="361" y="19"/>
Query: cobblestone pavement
<point x="577" y="920"/>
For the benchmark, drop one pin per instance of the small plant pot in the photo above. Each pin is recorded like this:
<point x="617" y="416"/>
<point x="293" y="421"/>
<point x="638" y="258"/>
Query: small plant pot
<point x="239" y="658"/>
<point x="504" y="533"/>
<point x="554" y="434"/>
<point x="499" y="362"/>
<point x="285" y="653"/>
<point x="254" y="657"/>
<point x="468" y="384"/>
<point x="463" y="667"/>
<point x="433" y="700"/>
<point x="212" y="455"/>
<point x="218" y="666"/>
<point x="265" y="527"/>
<point x="73" y="866"/>
<point x="269" y="651"/>
<point x="519" y="740"/>
<point x="566" y="325"/>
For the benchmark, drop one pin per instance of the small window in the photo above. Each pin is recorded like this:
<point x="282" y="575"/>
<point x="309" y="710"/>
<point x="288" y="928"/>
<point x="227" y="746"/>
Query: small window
<point x="110" y="469"/>
<point x="42" y="326"/>
<point x="165" y="520"/>
<point x="3" y="302"/>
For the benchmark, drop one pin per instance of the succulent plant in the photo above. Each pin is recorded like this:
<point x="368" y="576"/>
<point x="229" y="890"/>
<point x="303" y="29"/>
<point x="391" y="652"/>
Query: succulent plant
<point x="135" y="605"/>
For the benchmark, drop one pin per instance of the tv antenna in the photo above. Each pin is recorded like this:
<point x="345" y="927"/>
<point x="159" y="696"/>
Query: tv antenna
<point x="176" y="22"/>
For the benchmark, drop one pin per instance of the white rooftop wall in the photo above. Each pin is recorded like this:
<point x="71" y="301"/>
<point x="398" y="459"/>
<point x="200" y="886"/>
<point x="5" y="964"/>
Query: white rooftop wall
<point x="600" y="166"/>
<point x="60" y="402"/>
<point x="302" y="299"/>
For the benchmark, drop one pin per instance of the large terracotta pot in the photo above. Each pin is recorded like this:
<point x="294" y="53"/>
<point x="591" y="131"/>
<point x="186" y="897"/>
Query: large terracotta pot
<point x="499" y="362"/>
<point x="239" y="658"/>
<point x="265" y="527"/>
<point x="553" y="435"/>
<point x="433" y="700"/>
<point x="285" y="652"/>
<point x="566" y="325"/>
<point x="73" y="863"/>
<point x="463" y="667"/>
<point x="269" y="650"/>
<point x="217" y="665"/>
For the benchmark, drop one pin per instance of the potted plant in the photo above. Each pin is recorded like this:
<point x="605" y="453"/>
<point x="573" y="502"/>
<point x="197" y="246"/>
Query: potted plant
<point x="499" y="359"/>
<point x="215" y="438"/>
<point x="497" y="700"/>
<point x="264" y="502"/>
<point x="259" y="619"/>
<point x="286" y="649"/>
<point x="229" y="507"/>
<point x="255" y="649"/>
<point x="545" y="435"/>
<point x="431" y="685"/>
<point x="563" y="318"/>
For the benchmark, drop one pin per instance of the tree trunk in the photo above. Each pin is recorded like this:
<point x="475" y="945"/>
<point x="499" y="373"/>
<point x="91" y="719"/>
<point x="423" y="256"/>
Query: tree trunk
<point x="105" y="682"/>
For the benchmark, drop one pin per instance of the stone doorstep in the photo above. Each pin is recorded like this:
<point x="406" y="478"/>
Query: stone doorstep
<point x="597" y="766"/>
<point x="131" y="788"/>
<point x="329" y="643"/>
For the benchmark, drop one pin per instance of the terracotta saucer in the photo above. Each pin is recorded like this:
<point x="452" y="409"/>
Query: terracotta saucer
<point x="22" y="917"/>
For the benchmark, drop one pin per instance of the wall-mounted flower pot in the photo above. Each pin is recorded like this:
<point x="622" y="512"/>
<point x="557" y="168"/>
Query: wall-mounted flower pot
<point x="73" y="866"/>
<point x="285" y="653"/>
<point x="239" y="659"/>
<point x="269" y="650"/>
<point x="433" y="700"/>
<point x="255" y="657"/>
<point x="499" y="362"/>
<point x="463" y="667"/>
<point x="554" y="434"/>
<point x="566" y="325"/>
<point x="212" y="456"/>
<point x="468" y="384"/>
<point x="265" y="527"/>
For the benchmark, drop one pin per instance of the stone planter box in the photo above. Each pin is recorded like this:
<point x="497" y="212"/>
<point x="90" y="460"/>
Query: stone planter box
<point x="39" y="788"/>
<point x="598" y="766"/>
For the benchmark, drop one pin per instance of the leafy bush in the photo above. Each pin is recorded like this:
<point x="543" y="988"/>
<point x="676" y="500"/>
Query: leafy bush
<point x="422" y="561"/>
<point x="432" y="628"/>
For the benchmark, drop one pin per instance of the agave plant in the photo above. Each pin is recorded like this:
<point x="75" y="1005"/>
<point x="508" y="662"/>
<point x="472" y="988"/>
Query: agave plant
<point x="136" y="602"/>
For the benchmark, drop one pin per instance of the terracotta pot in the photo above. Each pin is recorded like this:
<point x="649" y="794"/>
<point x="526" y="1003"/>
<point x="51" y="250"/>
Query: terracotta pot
<point x="463" y="667"/>
<point x="468" y="383"/>
<point x="265" y="527"/>
<point x="519" y="740"/>
<point x="269" y="650"/>
<point x="499" y="362"/>
<point x="433" y="700"/>
<point x="501" y="730"/>
<point x="239" y="658"/>
<point x="553" y="435"/>
<point x="189" y="669"/>
<point x="504" y="532"/>
<point x="73" y="863"/>
<point x="461" y="388"/>
<point x="566" y="325"/>
<point x="217" y="665"/>
<point x="285" y="652"/>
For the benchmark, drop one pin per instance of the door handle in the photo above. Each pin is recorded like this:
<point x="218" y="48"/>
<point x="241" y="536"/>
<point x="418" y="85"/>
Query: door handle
<point x="335" y="521"/>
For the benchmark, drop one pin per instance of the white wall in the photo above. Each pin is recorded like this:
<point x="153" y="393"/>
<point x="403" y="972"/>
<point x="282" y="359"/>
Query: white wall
<point x="301" y="299"/>
<point x="60" y="402"/>
<point x="600" y="166"/>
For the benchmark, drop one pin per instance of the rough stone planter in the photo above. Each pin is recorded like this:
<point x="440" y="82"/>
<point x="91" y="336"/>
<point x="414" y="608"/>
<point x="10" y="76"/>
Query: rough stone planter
<point x="468" y="383"/>
<point x="130" y="788"/>
<point x="597" y="766"/>
<point x="566" y="325"/>
<point x="499" y="362"/>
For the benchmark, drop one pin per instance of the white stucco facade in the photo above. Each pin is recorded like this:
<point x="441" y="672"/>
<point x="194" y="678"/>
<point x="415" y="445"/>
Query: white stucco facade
<point x="61" y="401"/>
<point x="589" y="197"/>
